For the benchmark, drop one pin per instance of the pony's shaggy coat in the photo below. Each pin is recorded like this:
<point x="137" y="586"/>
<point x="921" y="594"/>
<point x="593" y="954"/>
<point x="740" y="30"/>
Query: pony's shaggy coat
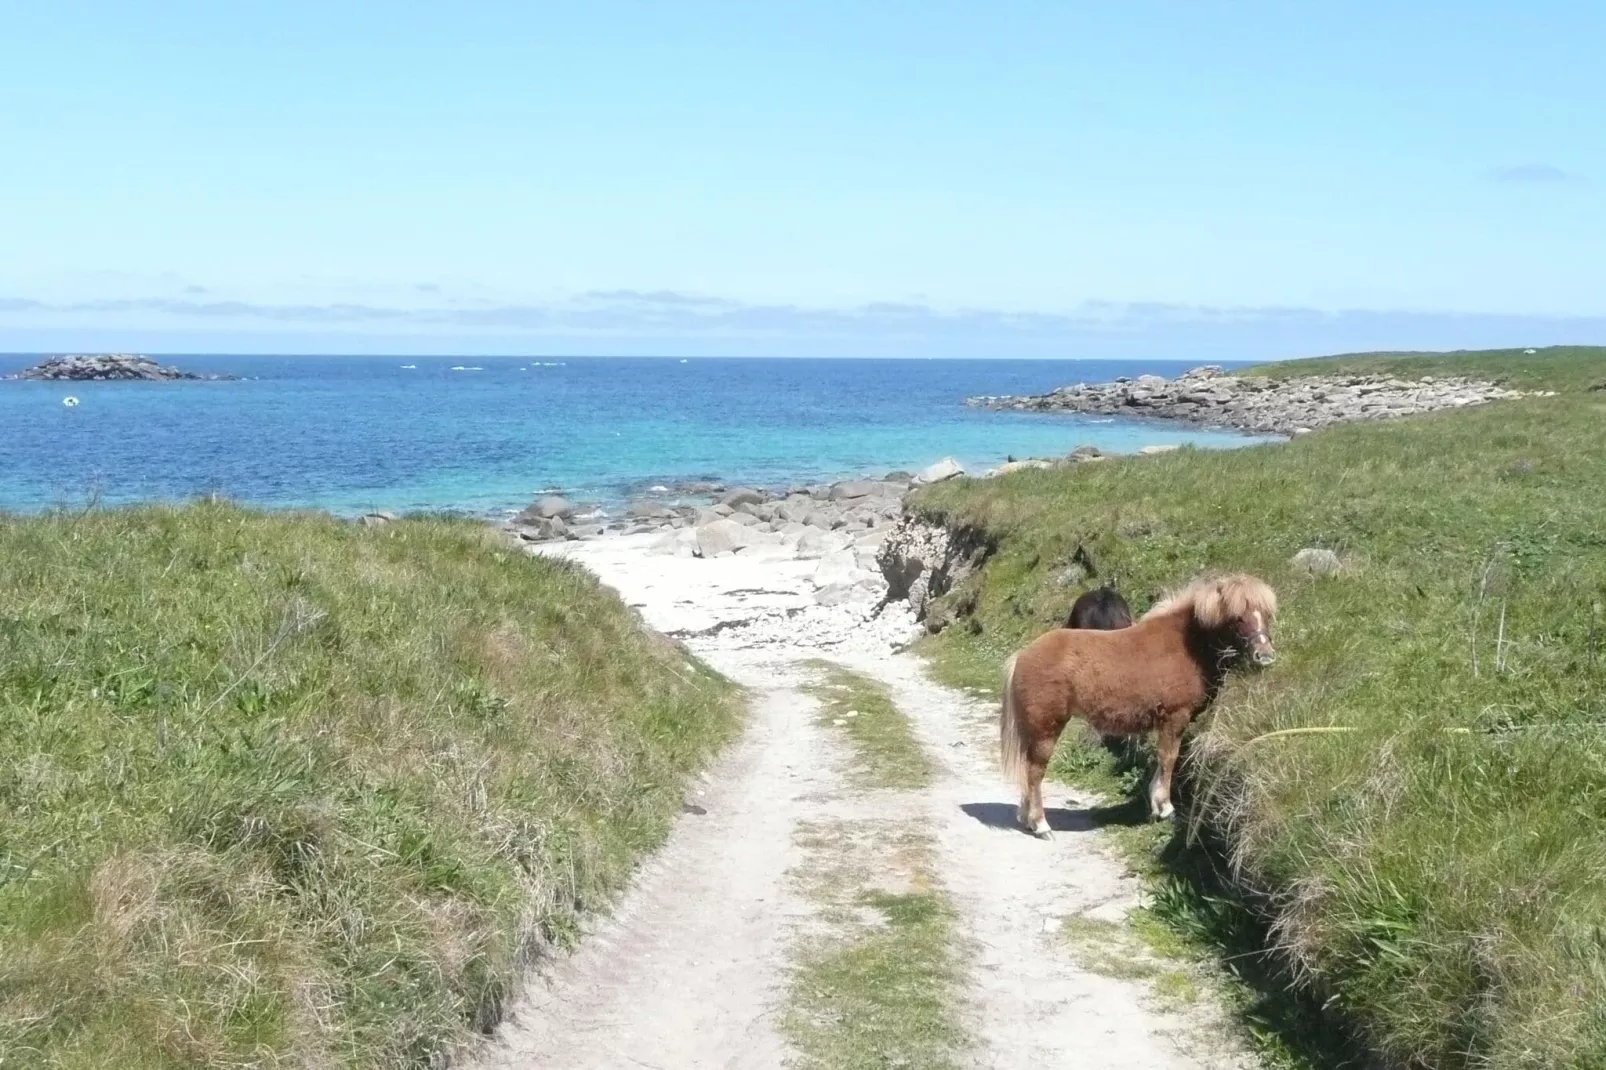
<point x="1156" y="675"/>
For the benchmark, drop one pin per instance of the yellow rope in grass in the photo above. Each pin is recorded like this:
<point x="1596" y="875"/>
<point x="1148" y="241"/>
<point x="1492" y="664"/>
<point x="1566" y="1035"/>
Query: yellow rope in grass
<point x="1312" y="730"/>
<point x="1333" y="729"/>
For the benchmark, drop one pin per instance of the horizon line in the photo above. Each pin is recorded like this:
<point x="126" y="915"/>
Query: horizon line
<point x="449" y="355"/>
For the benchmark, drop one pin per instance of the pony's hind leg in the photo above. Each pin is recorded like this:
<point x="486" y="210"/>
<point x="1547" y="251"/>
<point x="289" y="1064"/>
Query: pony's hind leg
<point x="1032" y="814"/>
<point x="1170" y="745"/>
<point x="1023" y="812"/>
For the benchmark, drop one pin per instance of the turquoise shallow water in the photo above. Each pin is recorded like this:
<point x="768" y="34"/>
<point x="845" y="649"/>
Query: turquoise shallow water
<point x="486" y="434"/>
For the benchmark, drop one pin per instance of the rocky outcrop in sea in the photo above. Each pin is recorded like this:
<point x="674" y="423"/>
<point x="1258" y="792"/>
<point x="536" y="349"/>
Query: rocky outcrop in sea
<point x="111" y="367"/>
<point x="1208" y="397"/>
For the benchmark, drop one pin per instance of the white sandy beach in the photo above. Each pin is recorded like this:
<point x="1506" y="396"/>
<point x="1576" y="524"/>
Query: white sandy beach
<point x="764" y="596"/>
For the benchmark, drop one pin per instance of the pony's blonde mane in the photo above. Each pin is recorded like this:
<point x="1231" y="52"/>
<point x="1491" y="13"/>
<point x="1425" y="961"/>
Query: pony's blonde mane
<point x="1218" y="600"/>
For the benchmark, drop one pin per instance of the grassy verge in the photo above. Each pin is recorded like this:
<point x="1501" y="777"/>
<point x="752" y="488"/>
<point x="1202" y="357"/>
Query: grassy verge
<point x="1116" y="950"/>
<point x="1199" y="947"/>
<point x="281" y="791"/>
<point x="885" y="753"/>
<point x="877" y="983"/>
<point x="1437" y="889"/>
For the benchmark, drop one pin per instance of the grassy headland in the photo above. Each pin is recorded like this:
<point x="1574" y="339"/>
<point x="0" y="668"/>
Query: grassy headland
<point x="1433" y="872"/>
<point x="277" y="790"/>
<point x="1551" y="368"/>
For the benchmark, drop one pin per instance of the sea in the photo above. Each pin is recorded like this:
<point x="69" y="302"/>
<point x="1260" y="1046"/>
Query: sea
<point x="485" y="435"/>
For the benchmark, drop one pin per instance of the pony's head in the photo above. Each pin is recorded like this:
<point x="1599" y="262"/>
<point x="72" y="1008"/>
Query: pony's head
<point x="1237" y="608"/>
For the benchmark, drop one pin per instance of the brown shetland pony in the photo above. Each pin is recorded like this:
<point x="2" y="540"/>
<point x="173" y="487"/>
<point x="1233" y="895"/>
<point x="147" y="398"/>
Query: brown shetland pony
<point x="1156" y="675"/>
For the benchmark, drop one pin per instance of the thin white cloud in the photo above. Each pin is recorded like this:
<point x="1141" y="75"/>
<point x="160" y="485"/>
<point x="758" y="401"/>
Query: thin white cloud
<point x="632" y="311"/>
<point x="629" y="321"/>
<point x="1534" y="174"/>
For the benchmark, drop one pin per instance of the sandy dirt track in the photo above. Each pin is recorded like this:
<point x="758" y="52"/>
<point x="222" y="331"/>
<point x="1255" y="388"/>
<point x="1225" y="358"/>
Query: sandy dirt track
<point x="691" y="970"/>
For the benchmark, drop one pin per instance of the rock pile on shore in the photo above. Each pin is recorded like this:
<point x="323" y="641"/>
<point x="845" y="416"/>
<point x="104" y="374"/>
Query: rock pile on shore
<point x="110" y="367"/>
<point x="815" y="520"/>
<point x="839" y="525"/>
<point x="727" y="519"/>
<point x="1210" y="398"/>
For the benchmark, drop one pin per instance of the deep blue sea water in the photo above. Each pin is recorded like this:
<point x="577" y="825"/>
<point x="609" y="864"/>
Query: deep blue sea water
<point x="360" y="433"/>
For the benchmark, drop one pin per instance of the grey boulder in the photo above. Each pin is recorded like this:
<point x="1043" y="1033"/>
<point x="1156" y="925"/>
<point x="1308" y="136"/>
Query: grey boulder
<point x="1317" y="561"/>
<point x="721" y="536"/>
<point x="947" y="468"/>
<point x="842" y="593"/>
<point x="675" y="544"/>
<point x="816" y="543"/>
<point x="644" y="510"/>
<point x="858" y="488"/>
<point x="838" y="566"/>
<point x="547" y="508"/>
<point x="742" y="496"/>
<point x="795" y="509"/>
<point x="541" y="528"/>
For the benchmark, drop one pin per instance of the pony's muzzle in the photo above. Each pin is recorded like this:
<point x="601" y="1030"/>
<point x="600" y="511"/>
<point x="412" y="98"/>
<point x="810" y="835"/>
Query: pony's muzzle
<point x="1264" y="657"/>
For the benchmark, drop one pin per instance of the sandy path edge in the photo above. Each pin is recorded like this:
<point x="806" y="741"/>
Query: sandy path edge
<point x="688" y="970"/>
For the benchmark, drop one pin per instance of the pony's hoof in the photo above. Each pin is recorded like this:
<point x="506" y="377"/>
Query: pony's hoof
<point x="1163" y="813"/>
<point x="1042" y="831"/>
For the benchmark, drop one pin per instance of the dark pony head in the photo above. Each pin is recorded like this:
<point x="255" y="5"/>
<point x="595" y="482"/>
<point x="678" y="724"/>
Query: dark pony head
<point x="1234" y="611"/>
<point x="1101" y="609"/>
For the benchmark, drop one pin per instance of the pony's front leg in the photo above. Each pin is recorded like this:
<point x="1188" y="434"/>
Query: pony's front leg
<point x="1170" y="745"/>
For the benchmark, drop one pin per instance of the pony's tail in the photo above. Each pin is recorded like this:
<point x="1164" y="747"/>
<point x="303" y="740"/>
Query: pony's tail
<point x="1011" y="738"/>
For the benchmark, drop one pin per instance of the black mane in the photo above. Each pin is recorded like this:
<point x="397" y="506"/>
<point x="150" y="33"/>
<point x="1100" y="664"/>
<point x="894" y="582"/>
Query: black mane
<point x="1101" y="609"/>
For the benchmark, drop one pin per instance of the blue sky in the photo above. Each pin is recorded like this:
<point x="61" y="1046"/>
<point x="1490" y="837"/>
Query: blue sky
<point x="1007" y="178"/>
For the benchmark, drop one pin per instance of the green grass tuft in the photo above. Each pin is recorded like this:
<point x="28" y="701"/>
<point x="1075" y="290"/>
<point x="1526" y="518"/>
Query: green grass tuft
<point x="1438" y="890"/>
<point x="879" y="988"/>
<point x="282" y="791"/>
<point x="886" y="753"/>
